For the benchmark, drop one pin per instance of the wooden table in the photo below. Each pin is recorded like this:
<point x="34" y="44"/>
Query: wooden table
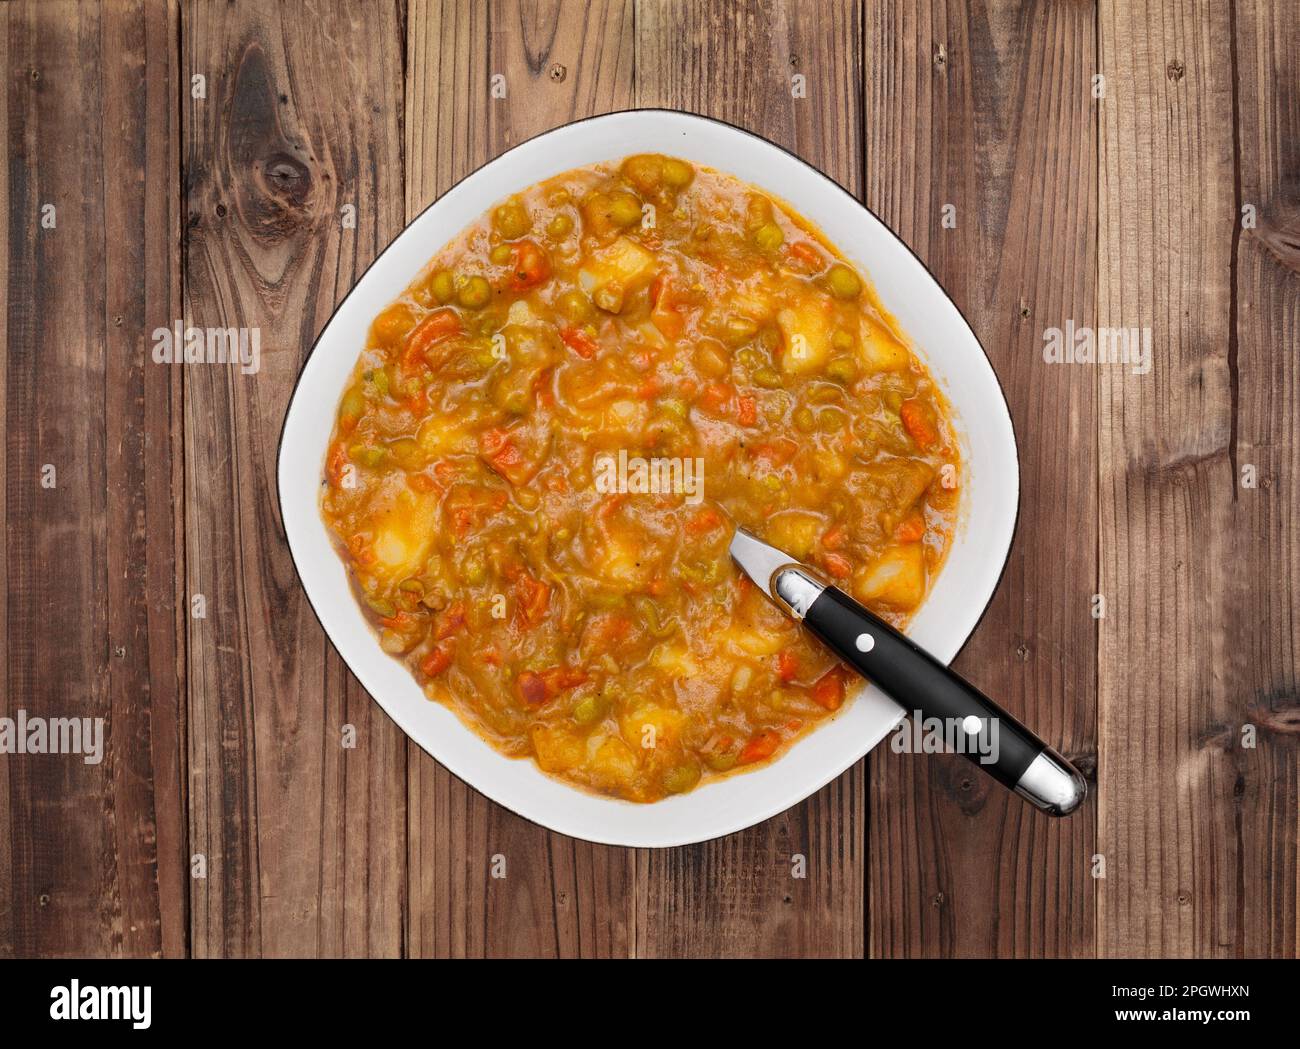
<point x="1105" y="164"/>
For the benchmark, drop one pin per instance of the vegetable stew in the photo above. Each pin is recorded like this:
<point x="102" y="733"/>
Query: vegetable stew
<point x="550" y="436"/>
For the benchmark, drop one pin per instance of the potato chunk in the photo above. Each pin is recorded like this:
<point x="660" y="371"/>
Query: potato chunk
<point x="879" y="350"/>
<point x="404" y="535"/>
<point x="441" y="435"/>
<point x="558" y="750"/>
<point x="675" y="659"/>
<point x="897" y="578"/>
<point x="624" y="264"/>
<point x="623" y="563"/>
<point x="807" y="326"/>
<point x="614" y="765"/>
<point x="794" y="531"/>
<point x="649" y="727"/>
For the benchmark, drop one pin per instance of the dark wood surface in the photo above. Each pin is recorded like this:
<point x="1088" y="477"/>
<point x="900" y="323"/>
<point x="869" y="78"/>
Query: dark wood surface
<point x="1112" y="203"/>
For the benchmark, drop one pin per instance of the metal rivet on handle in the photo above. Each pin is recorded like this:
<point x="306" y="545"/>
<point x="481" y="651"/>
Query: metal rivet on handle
<point x="865" y="642"/>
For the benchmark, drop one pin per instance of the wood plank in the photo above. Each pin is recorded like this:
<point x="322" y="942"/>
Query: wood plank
<point x="8" y="942"/>
<point x="737" y="896"/>
<point x="304" y="840"/>
<point x="560" y="897"/>
<point x="1263" y="607"/>
<point x="1200" y="572"/>
<point x="989" y="109"/>
<point x="95" y="866"/>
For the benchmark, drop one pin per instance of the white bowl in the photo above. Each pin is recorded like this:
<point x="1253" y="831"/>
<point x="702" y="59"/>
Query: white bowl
<point x="941" y="337"/>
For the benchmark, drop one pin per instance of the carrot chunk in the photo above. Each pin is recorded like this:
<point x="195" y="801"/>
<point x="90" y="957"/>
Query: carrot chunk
<point x="787" y="666"/>
<point x="911" y="528"/>
<point x="761" y="746"/>
<point x="532" y="688"/>
<point x="705" y="521"/>
<point x="451" y="620"/>
<point x="839" y="566"/>
<point x="828" y="690"/>
<point x="530" y="265"/>
<point x="435" y="327"/>
<point x="806" y="253"/>
<point x="714" y="397"/>
<point x="918" y="421"/>
<point x="579" y="342"/>
<point x="534" y="596"/>
<point x="438" y="660"/>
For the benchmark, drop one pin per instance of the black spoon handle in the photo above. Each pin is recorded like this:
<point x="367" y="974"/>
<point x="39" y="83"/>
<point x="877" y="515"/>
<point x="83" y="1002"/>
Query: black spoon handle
<point x="994" y="740"/>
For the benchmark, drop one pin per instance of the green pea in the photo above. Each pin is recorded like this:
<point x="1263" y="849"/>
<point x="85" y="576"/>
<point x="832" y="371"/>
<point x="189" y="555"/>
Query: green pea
<point x="768" y="236"/>
<point x="768" y="340"/>
<point x="475" y="293"/>
<point x="511" y="220"/>
<point x="804" y="420"/>
<point x="560" y="226"/>
<point x="500" y="254"/>
<point x="677" y="173"/>
<point x="407" y="452"/>
<point x="367" y="454"/>
<point x="443" y="287"/>
<point x="353" y="404"/>
<point x="381" y="606"/>
<point x="721" y="761"/>
<point x="681" y="778"/>
<point x="830" y="420"/>
<point x="589" y="710"/>
<point x="475" y="570"/>
<point x="842" y="369"/>
<point x="843" y="282"/>
<point x="738" y="329"/>
<point x="842" y="340"/>
<point x="768" y="377"/>
<point x="624" y="209"/>
<point x="711" y="361"/>
<point x="574" y="306"/>
<point x="609" y="297"/>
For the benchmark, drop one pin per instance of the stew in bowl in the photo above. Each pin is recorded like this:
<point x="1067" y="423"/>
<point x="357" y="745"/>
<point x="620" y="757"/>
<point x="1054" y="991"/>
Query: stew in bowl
<point x="645" y="315"/>
<point x="493" y="504"/>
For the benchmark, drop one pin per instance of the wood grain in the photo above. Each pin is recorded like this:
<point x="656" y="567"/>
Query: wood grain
<point x="1200" y="572"/>
<point x="988" y="109"/>
<point x="8" y="828"/>
<point x="304" y="839"/>
<point x="559" y="897"/>
<point x="738" y="896"/>
<point x="1263" y="609"/>
<point x="225" y="732"/>
<point x="92" y="859"/>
